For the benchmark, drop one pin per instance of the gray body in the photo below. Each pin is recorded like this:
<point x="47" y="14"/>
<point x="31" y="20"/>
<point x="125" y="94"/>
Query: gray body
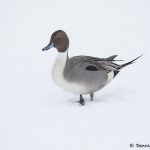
<point x="95" y="77"/>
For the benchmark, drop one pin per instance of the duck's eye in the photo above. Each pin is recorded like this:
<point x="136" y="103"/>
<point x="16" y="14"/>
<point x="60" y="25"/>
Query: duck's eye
<point x="57" y="39"/>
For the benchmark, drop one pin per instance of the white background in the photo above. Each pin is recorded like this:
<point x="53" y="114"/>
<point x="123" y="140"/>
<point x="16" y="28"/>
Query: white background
<point x="35" y="114"/>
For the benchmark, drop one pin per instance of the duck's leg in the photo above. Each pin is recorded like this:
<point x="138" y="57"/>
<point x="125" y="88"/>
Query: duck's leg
<point x="92" y="96"/>
<point x="81" y="101"/>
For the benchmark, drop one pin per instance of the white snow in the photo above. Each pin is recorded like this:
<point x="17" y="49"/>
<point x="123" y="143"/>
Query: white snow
<point x="35" y="114"/>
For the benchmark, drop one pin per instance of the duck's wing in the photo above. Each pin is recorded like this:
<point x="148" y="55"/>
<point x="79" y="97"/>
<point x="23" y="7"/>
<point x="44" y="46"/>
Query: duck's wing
<point x="94" y="64"/>
<point x="88" y="70"/>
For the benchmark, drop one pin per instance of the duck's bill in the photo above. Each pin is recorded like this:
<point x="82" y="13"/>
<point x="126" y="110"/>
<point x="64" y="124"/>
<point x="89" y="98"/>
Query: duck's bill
<point x="49" y="46"/>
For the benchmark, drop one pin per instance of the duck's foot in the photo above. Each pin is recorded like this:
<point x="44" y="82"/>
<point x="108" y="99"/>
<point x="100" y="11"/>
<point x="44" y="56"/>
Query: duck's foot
<point x="81" y="101"/>
<point x="92" y="96"/>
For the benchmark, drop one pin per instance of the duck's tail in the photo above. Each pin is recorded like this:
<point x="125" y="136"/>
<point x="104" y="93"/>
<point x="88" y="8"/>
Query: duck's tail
<point x="112" y="58"/>
<point x="129" y="63"/>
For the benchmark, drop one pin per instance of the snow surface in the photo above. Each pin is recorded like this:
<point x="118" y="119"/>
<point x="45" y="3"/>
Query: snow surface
<point x="35" y="114"/>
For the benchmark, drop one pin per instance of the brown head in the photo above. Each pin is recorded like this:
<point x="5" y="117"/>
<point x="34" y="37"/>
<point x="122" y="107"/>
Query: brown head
<point x="59" y="40"/>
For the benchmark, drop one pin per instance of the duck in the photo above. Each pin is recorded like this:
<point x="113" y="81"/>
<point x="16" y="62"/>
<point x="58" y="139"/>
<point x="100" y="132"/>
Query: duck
<point x="81" y="75"/>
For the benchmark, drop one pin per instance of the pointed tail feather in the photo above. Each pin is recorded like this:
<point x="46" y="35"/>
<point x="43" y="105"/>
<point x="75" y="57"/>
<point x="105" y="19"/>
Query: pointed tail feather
<point x="112" y="58"/>
<point x="129" y="63"/>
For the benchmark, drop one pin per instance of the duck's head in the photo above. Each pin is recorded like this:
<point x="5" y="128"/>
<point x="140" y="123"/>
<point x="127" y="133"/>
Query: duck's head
<point x="59" y="40"/>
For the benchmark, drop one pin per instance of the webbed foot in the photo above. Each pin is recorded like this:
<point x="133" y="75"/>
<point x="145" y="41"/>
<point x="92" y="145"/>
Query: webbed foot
<point x="81" y="101"/>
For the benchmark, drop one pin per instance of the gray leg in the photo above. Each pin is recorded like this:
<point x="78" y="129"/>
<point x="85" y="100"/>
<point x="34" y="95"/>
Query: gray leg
<point x="81" y="101"/>
<point x="92" y="96"/>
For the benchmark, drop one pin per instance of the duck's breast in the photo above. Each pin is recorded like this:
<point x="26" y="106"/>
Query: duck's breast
<point x="59" y="79"/>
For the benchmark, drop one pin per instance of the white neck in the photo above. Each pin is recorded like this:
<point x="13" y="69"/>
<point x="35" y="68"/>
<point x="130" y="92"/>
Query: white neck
<point x="59" y="65"/>
<point x="62" y="56"/>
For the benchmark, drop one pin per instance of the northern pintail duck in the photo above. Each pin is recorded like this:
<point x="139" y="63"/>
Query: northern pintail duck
<point x="81" y="74"/>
